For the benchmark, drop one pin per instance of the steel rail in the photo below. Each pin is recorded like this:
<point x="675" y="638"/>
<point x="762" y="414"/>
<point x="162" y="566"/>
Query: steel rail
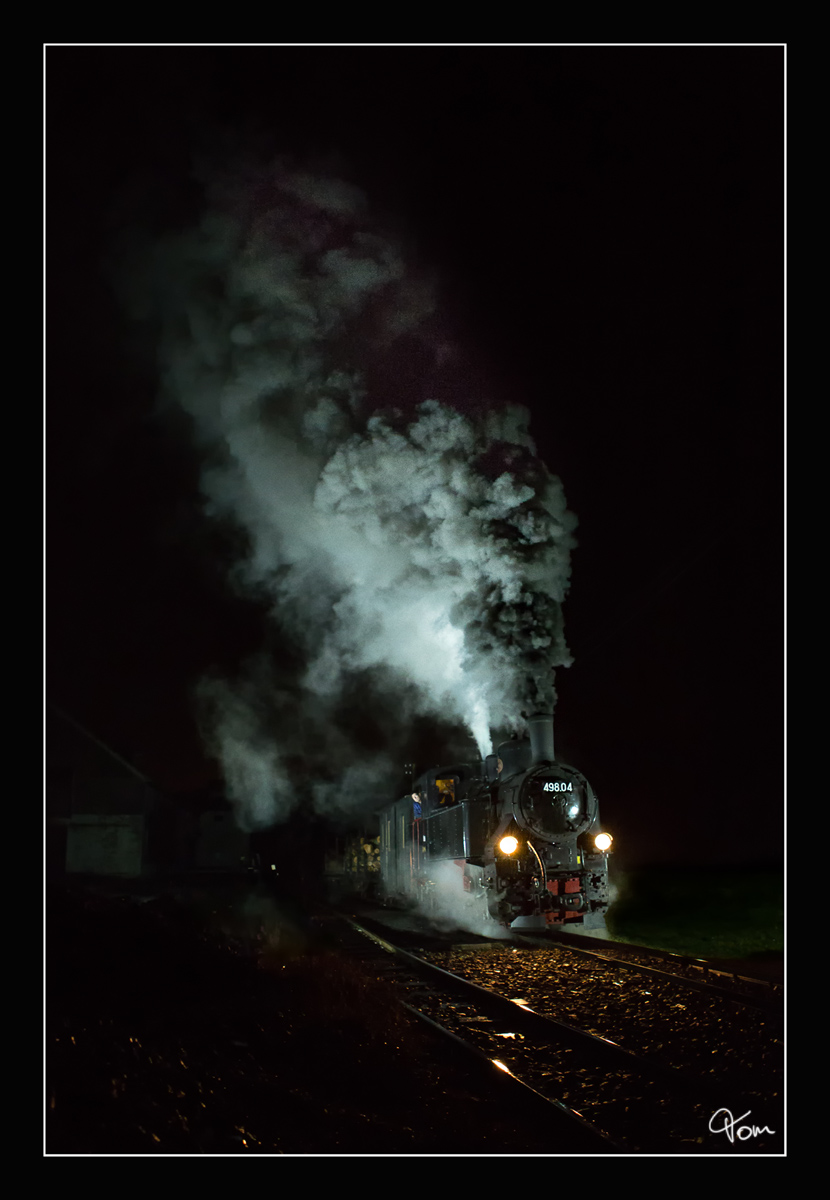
<point x="698" y="985"/>
<point x="545" y="1032"/>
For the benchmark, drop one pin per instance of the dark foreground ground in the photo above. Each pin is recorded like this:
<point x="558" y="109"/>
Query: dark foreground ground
<point x="221" y="1022"/>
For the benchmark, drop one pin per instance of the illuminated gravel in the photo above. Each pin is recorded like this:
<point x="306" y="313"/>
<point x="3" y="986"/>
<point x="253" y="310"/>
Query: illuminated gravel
<point x="734" y="1049"/>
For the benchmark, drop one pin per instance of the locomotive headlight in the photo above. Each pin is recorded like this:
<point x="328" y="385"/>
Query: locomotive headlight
<point x="603" y="841"/>
<point x="508" y="845"/>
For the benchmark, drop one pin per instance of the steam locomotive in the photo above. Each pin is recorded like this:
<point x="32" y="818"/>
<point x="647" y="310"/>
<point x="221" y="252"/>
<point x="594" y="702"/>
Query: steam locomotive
<point x="514" y="840"/>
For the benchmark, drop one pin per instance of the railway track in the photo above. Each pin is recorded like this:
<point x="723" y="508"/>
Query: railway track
<point x="697" y="974"/>
<point x="609" y="1095"/>
<point x="428" y="994"/>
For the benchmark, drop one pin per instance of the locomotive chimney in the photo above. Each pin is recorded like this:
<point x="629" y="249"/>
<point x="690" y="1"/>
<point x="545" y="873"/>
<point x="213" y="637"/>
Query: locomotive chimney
<point x="540" y="728"/>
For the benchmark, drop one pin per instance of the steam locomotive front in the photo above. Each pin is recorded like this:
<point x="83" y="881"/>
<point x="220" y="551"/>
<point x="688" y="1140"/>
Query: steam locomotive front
<point x="517" y="839"/>
<point x="551" y="857"/>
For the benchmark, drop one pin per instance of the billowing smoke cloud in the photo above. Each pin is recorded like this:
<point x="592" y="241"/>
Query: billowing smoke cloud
<point x="413" y="553"/>
<point x="237" y="725"/>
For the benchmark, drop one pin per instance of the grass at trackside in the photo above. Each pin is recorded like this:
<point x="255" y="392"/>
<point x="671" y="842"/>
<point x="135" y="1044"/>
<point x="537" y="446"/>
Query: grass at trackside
<point x="712" y="913"/>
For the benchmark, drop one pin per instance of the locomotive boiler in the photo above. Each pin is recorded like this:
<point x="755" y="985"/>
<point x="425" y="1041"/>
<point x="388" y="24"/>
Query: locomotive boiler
<point x="516" y="838"/>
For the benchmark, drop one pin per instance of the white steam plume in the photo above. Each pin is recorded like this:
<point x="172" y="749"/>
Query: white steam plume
<point x="426" y="551"/>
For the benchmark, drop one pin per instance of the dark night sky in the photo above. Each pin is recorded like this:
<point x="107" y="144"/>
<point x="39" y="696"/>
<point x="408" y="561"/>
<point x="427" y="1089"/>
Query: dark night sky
<point x="607" y="227"/>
